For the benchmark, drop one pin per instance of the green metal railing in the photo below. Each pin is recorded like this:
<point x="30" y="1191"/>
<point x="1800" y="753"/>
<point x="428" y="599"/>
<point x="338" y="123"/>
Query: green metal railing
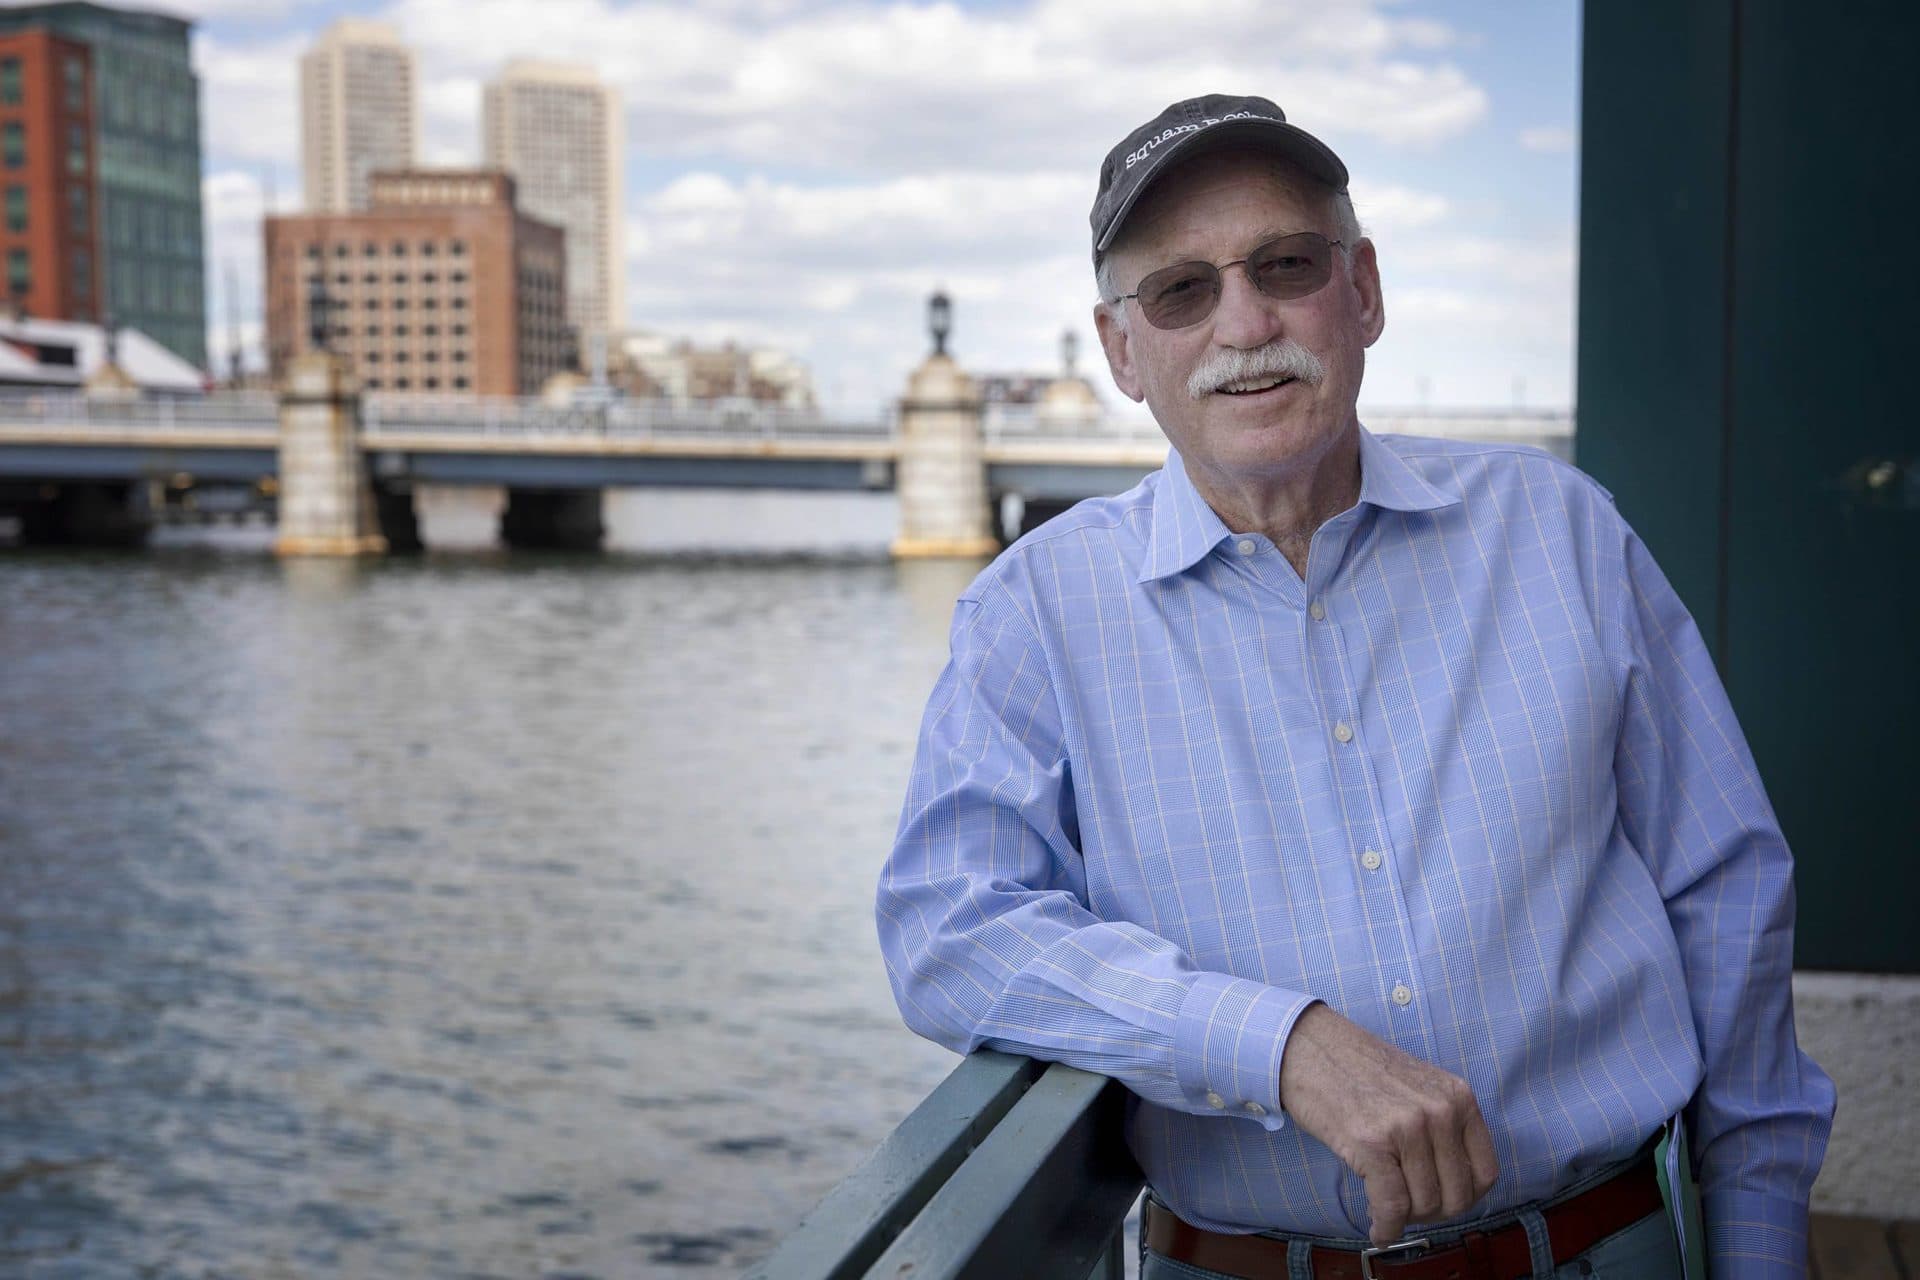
<point x="1010" y="1167"/>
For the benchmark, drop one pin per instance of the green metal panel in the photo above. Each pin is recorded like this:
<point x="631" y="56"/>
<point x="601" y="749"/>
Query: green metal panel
<point x="1823" y="606"/>
<point x="1741" y="392"/>
<point x="1655" y="117"/>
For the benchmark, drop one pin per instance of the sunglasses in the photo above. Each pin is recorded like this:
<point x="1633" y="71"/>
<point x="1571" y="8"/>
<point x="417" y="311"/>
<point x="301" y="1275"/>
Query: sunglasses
<point x="1186" y="293"/>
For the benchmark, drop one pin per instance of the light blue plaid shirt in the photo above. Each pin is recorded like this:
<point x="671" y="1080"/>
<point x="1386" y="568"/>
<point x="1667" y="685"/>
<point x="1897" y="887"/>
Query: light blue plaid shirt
<point x="1474" y="783"/>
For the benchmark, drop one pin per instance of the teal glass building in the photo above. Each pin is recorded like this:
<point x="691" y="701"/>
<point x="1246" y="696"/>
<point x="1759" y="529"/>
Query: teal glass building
<point x="146" y="115"/>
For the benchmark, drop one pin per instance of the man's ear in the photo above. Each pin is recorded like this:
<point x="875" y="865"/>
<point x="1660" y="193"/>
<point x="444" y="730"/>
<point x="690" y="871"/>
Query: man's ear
<point x="1116" y="340"/>
<point x="1366" y="282"/>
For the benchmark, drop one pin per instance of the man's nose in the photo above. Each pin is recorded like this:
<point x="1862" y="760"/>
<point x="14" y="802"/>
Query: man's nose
<point x="1245" y="317"/>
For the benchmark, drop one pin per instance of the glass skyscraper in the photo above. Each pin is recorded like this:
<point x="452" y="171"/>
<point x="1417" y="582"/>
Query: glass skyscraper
<point x="146" y="115"/>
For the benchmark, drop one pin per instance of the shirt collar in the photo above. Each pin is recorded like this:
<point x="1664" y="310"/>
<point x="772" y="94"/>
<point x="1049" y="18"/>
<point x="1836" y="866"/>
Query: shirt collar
<point x="1186" y="529"/>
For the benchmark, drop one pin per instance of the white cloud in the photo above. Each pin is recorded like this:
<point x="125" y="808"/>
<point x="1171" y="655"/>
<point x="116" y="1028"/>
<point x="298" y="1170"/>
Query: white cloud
<point x="808" y="170"/>
<point x="232" y="202"/>
<point x="1552" y="139"/>
<point x="250" y="99"/>
<point x="883" y="88"/>
<point x="1386" y="210"/>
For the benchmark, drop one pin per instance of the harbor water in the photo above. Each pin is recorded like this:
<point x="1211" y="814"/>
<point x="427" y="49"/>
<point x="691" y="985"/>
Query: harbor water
<point x="468" y="915"/>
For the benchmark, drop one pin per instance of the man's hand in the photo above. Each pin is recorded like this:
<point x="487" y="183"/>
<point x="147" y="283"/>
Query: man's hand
<point x="1411" y="1131"/>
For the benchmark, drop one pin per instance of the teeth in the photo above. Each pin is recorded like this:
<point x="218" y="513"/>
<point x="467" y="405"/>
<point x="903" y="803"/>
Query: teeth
<point x="1252" y="384"/>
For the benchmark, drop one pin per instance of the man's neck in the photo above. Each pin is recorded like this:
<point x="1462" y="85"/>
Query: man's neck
<point x="1288" y="507"/>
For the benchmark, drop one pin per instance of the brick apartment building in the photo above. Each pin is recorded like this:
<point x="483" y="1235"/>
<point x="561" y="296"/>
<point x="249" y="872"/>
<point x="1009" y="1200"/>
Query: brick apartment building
<point x="48" y="194"/>
<point x="440" y="287"/>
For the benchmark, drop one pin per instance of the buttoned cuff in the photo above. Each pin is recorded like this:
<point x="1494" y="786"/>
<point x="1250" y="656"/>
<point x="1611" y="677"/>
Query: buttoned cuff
<point x="1227" y="1045"/>
<point x="1750" y="1233"/>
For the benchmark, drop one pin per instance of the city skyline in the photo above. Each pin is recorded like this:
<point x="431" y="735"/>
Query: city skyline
<point x="802" y="176"/>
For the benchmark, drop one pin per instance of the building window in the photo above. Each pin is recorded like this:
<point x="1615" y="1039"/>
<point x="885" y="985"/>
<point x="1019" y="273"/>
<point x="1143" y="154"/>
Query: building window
<point x="431" y="357"/>
<point x="459" y="331"/>
<point x="400" y="331"/>
<point x="16" y="208"/>
<point x="401" y="384"/>
<point x="427" y="248"/>
<point x="13" y="144"/>
<point x="373" y="357"/>
<point x="460" y="383"/>
<point x="457" y="277"/>
<point x="430" y="303"/>
<point x="343" y="277"/>
<point x="399" y="277"/>
<point x="399" y="304"/>
<point x="372" y="277"/>
<point x="373" y="384"/>
<point x="313" y="251"/>
<point x="458" y="248"/>
<point x="341" y="251"/>
<point x="10" y="82"/>
<point x="373" y="331"/>
<point x="76" y="74"/>
<point x="19" y="272"/>
<point x="371" y="304"/>
<point x="399" y="248"/>
<point x="77" y="211"/>
<point x="432" y="384"/>
<point x="459" y="355"/>
<point x="82" y="273"/>
<point x="401" y="357"/>
<point x="77" y="150"/>
<point x="369" y="250"/>
<point x="459" y="304"/>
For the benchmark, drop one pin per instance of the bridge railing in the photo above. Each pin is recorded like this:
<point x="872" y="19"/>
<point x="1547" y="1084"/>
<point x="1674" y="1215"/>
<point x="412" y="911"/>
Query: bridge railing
<point x="1010" y="1167"/>
<point x="503" y="417"/>
<point x="252" y="411"/>
<point x="1009" y="423"/>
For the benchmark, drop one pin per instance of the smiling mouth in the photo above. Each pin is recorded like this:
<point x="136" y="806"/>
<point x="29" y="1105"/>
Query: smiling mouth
<point x="1255" y="386"/>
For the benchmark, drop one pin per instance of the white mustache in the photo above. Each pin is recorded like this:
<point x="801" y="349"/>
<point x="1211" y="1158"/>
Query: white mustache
<point x="1283" y="359"/>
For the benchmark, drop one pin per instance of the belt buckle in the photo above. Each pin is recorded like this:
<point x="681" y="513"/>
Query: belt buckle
<point x="1368" y="1254"/>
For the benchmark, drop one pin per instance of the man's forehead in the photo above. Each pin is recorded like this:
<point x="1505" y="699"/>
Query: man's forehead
<point x="1224" y="193"/>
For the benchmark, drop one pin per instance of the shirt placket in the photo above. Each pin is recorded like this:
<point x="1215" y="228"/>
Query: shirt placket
<point x="1396" y="996"/>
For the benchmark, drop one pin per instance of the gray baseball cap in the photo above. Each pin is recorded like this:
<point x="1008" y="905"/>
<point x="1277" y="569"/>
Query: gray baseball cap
<point x="1190" y="128"/>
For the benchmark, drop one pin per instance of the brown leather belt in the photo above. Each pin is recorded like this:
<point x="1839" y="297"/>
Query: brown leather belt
<point x="1574" y="1225"/>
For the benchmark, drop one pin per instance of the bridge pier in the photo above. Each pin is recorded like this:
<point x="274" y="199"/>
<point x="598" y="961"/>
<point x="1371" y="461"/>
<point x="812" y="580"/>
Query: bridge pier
<point x="327" y="505"/>
<point x="941" y="476"/>
<point x="552" y="520"/>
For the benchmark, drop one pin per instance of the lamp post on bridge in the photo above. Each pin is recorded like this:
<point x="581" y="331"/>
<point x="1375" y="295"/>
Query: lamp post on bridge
<point x="940" y="320"/>
<point x="941" y="469"/>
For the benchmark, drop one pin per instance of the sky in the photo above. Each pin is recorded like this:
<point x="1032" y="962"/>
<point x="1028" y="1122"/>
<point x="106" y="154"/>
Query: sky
<point x="804" y="173"/>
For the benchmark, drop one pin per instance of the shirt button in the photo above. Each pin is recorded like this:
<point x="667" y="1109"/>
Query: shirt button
<point x="1253" y="1108"/>
<point x="1343" y="733"/>
<point x="1215" y="1101"/>
<point x="1244" y="546"/>
<point x="1317" y="611"/>
<point x="1402" y="996"/>
<point x="1371" y="859"/>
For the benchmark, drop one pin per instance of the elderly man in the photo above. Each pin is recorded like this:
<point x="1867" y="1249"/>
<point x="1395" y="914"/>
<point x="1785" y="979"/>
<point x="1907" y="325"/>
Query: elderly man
<point x="1369" y="806"/>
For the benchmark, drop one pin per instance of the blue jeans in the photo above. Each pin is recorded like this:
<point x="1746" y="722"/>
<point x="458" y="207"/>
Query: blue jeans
<point x="1643" y="1251"/>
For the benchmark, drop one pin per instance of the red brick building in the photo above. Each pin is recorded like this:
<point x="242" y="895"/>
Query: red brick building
<point x="441" y="287"/>
<point x="48" y="193"/>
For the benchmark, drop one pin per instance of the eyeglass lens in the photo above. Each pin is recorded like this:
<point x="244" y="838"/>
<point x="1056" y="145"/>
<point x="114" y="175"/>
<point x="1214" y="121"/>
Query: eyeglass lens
<point x="1187" y="292"/>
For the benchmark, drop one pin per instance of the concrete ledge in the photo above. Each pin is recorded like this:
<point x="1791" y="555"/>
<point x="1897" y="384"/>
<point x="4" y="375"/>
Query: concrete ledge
<point x="1864" y="1031"/>
<point x="370" y="545"/>
<point x="945" y="548"/>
